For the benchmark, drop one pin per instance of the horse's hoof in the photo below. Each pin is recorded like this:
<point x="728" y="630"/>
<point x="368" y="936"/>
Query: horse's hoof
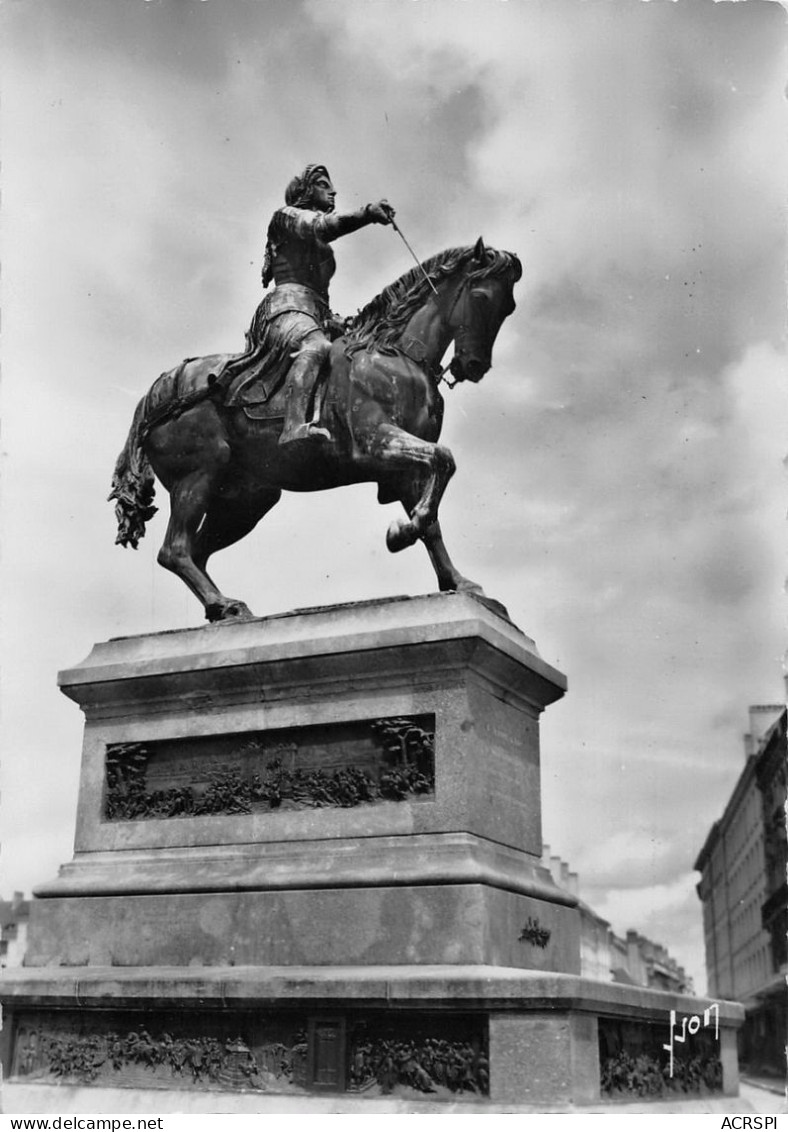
<point x="399" y="535"/>
<point x="238" y="611"/>
<point x="228" y="611"/>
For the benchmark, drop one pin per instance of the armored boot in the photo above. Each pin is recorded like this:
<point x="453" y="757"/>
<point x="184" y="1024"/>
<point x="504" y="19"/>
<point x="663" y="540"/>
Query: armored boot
<point x="302" y="408"/>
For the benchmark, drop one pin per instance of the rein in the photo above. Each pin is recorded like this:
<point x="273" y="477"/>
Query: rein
<point x="436" y="372"/>
<point x="462" y="290"/>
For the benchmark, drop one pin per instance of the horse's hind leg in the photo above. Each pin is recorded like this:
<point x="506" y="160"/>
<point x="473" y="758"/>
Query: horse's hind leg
<point x="227" y="521"/>
<point x="189" y="500"/>
<point x="190" y="455"/>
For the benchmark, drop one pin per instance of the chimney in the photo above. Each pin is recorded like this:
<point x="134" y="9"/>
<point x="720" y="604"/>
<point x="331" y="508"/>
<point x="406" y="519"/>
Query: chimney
<point x="555" y="869"/>
<point x="634" y="957"/>
<point x="762" y="716"/>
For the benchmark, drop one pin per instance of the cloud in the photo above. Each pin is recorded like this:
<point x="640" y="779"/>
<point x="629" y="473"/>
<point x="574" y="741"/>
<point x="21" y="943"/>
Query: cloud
<point x="665" y="913"/>
<point x="631" y="857"/>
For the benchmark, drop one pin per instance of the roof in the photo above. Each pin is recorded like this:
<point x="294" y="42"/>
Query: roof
<point x="747" y="774"/>
<point x="11" y="912"/>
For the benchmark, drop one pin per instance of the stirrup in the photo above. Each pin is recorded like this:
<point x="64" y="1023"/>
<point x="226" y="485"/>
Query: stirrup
<point x="308" y="431"/>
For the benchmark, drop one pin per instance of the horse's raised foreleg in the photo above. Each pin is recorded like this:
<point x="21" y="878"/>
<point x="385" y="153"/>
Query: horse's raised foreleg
<point x="429" y="466"/>
<point x="448" y="576"/>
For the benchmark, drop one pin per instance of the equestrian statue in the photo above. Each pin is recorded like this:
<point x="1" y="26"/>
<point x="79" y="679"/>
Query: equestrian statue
<point x="314" y="403"/>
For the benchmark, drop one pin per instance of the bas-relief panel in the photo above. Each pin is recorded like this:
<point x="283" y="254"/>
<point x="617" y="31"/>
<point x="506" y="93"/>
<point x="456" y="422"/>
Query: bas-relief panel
<point x="342" y="764"/>
<point x="268" y="1052"/>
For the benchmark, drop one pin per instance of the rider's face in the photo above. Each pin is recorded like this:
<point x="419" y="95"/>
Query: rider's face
<point x="323" y="195"/>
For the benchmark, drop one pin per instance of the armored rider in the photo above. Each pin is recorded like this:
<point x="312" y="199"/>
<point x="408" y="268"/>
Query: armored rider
<point x="300" y="262"/>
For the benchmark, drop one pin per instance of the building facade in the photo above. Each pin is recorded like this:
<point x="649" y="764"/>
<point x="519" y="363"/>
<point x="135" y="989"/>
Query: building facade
<point x="745" y="897"/>
<point x="635" y="959"/>
<point x="650" y="964"/>
<point x="14" y="917"/>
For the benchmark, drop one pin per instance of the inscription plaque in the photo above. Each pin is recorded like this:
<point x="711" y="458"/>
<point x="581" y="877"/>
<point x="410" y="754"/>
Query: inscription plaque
<point x="327" y="1053"/>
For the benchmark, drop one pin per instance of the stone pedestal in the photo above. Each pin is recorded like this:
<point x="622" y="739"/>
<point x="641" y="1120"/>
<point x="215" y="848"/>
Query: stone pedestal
<point x="351" y="785"/>
<point x="308" y="859"/>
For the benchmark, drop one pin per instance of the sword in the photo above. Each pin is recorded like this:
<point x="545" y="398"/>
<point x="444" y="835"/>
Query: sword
<point x="398" y="230"/>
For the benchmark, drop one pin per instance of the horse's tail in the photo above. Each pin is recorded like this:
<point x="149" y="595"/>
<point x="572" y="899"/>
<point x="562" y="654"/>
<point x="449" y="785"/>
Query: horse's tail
<point x="133" y="485"/>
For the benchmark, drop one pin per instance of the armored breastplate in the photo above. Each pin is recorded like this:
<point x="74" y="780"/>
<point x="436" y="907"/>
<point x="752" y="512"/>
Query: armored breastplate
<point x="310" y="263"/>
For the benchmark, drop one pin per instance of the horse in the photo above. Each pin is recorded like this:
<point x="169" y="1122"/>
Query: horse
<point x="224" y="468"/>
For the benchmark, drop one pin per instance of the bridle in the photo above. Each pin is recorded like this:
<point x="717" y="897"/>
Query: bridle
<point x="464" y="292"/>
<point x="438" y="373"/>
<point x="450" y="382"/>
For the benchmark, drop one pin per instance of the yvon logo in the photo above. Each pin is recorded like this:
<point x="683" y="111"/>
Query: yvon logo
<point x="691" y="1025"/>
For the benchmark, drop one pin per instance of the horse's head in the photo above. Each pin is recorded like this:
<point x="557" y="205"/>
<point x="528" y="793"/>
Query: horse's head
<point x="481" y="302"/>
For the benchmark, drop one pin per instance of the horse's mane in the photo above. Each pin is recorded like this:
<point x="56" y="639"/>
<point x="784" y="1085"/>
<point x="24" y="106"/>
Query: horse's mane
<point x="380" y="323"/>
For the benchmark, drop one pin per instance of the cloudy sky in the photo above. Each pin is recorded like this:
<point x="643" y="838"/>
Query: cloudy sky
<point x="620" y="483"/>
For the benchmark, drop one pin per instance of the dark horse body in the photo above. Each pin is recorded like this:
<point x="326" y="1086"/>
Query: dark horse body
<point x="224" y="470"/>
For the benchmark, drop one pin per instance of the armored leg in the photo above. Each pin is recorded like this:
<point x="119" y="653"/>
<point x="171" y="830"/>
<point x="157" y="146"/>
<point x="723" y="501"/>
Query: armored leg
<point x="301" y="411"/>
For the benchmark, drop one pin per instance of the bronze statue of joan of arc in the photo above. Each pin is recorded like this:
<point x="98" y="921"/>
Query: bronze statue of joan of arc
<point x="220" y="432"/>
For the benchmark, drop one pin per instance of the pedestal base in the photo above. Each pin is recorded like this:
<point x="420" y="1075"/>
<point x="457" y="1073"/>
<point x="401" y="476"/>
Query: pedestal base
<point x="450" y="1034"/>
<point x="307" y="863"/>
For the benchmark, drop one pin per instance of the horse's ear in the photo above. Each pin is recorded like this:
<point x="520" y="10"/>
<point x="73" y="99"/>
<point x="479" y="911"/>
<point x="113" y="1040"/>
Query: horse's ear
<point x="480" y="252"/>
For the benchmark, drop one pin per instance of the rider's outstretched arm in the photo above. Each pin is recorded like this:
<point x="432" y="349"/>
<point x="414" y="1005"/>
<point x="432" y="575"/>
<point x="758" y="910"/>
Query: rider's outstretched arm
<point x="302" y="223"/>
<point x="341" y="223"/>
